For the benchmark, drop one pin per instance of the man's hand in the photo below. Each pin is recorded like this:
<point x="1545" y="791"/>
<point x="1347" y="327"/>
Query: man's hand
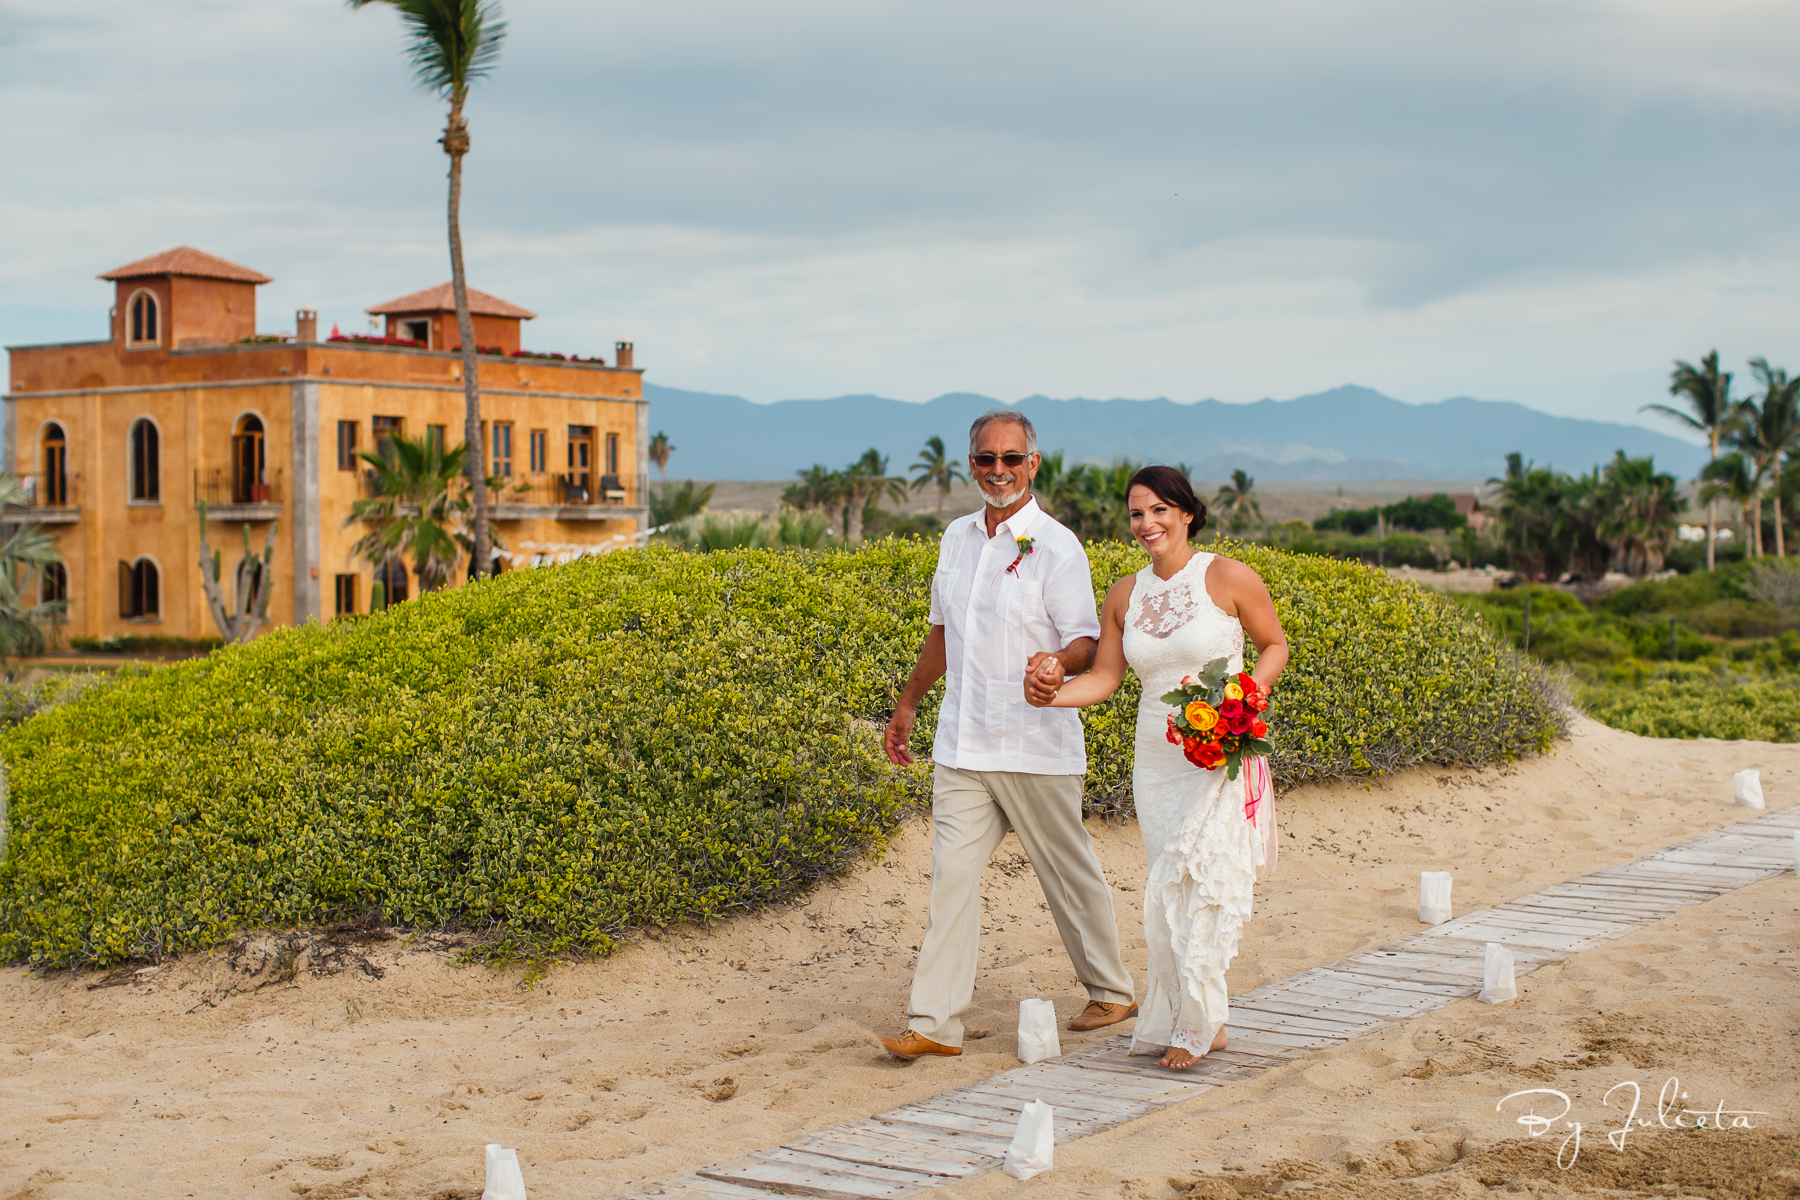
<point x="898" y="734"/>
<point x="1043" y="675"/>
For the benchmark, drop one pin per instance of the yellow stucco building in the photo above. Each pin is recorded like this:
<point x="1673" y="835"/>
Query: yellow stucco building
<point x="121" y="440"/>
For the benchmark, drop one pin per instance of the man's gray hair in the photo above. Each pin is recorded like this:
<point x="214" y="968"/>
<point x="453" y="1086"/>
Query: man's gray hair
<point x="1011" y="416"/>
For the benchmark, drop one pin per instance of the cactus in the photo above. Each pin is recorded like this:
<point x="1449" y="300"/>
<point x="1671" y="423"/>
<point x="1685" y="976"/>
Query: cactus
<point x="255" y="582"/>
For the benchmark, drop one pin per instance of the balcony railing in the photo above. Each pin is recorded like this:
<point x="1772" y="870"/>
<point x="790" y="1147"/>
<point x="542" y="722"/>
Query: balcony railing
<point x="219" y="488"/>
<point x="51" y="493"/>
<point x="545" y="490"/>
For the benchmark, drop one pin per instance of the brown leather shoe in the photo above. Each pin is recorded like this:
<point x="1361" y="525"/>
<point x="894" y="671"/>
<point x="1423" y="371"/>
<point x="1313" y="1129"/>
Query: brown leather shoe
<point x="1099" y="1014"/>
<point x="909" y="1046"/>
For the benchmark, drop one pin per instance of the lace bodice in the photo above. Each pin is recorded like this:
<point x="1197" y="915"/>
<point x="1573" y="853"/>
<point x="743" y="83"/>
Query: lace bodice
<point x="1199" y="847"/>
<point x="1173" y="628"/>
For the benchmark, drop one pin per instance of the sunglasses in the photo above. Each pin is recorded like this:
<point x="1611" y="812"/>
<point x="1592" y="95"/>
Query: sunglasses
<point x="985" y="461"/>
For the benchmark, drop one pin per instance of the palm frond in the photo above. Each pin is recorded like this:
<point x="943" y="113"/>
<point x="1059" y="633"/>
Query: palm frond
<point x="450" y="43"/>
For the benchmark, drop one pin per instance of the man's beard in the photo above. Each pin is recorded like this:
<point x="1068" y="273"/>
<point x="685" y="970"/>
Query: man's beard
<point x="1006" y="500"/>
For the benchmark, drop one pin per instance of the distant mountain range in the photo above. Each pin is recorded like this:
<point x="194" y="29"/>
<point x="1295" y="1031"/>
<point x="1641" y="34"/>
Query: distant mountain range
<point x="1348" y="433"/>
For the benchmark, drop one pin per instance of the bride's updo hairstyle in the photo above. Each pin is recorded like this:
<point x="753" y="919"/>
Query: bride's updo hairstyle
<point x="1173" y="489"/>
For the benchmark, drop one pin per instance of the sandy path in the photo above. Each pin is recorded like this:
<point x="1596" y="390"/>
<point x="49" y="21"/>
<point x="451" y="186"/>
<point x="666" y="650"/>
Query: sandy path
<point x="209" y="1079"/>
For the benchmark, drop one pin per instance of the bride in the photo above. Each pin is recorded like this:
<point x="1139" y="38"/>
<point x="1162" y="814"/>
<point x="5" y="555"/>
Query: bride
<point x="1169" y="620"/>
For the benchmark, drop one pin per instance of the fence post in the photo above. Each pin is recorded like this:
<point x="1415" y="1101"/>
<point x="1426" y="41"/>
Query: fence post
<point x="1674" y="647"/>
<point x="1527" y="647"/>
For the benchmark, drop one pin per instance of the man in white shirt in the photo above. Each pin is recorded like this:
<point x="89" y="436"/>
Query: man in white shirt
<point x="1012" y="586"/>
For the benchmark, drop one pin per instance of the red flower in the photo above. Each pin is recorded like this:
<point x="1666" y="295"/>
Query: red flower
<point x="1248" y="684"/>
<point x="1239" y="722"/>
<point x="1258" y="729"/>
<point x="1206" y="755"/>
<point x="1229" y="709"/>
<point x="1174" y="736"/>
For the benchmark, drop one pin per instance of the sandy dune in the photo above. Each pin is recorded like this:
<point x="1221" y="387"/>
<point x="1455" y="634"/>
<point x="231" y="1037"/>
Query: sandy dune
<point x="379" y="1068"/>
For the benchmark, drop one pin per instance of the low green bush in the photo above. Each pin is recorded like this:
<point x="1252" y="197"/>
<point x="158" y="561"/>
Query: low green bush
<point x="651" y="737"/>
<point x="133" y="643"/>
<point x="1706" y="703"/>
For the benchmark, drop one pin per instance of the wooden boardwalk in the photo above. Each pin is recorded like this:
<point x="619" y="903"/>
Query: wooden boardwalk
<point x="965" y="1132"/>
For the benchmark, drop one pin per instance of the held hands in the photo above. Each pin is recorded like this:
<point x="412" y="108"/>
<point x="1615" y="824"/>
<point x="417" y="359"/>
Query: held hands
<point x="1043" y="676"/>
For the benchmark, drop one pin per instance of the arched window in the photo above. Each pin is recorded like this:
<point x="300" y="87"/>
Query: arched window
<point x="391" y="575"/>
<point x="141" y="320"/>
<point x="53" y="583"/>
<point x="53" y="489"/>
<point x="249" y="469"/>
<point x="140" y="589"/>
<point x="146" y="461"/>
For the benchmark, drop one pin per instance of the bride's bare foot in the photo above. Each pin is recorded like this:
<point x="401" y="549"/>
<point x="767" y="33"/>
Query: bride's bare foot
<point x="1177" y="1059"/>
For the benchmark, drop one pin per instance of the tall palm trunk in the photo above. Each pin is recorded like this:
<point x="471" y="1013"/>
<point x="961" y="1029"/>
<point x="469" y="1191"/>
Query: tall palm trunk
<point x="1712" y="523"/>
<point x="456" y="144"/>
<point x="1781" y="549"/>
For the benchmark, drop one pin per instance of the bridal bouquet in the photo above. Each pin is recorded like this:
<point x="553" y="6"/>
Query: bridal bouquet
<point x="1216" y="721"/>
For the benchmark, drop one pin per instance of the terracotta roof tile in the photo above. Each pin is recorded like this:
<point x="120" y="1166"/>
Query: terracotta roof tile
<point x="442" y="299"/>
<point x="185" y="260"/>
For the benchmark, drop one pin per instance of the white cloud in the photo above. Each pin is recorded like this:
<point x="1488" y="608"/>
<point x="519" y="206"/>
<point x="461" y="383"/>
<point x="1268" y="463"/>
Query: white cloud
<point x="1544" y="201"/>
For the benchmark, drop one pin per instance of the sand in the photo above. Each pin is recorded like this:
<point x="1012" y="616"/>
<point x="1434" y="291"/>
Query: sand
<point x="365" y="1065"/>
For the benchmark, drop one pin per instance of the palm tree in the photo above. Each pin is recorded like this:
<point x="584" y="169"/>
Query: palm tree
<point x="1778" y="429"/>
<point x="1238" y="498"/>
<point x="819" y="487"/>
<point x="25" y="554"/>
<point x="1746" y="436"/>
<point x="1730" y="478"/>
<point x="452" y="43"/>
<point x="417" y="509"/>
<point x="1710" y="412"/>
<point x="1531" y="513"/>
<point x="866" y="480"/>
<point x="660" y="449"/>
<point x="1638" y="516"/>
<point x="935" y="465"/>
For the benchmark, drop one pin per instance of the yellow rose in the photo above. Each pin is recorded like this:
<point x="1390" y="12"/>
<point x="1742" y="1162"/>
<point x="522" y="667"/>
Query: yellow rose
<point x="1201" y="715"/>
<point x="1233" y="691"/>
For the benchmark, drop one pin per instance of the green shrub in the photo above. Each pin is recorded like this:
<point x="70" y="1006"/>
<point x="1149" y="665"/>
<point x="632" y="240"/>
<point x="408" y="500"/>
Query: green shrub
<point x="652" y="737"/>
<point x="1718" y="706"/>
<point x="133" y="643"/>
<point x="1383" y="675"/>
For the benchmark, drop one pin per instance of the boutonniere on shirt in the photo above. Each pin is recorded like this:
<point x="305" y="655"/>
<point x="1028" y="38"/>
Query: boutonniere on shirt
<point x="1026" y="546"/>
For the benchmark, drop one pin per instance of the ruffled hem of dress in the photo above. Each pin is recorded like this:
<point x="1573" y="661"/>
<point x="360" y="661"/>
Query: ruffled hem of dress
<point x="1210" y="864"/>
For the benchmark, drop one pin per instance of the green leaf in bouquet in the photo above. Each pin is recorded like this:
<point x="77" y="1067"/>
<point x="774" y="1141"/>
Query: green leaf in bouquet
<point x="1176" y="699"/>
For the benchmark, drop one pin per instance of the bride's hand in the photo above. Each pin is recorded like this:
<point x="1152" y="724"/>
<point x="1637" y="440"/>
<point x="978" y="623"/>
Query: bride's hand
<point x="1043" y="675"/>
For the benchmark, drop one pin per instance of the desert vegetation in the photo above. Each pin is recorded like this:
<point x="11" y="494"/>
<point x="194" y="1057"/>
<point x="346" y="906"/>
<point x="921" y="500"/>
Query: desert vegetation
<point x="558" y="755"/>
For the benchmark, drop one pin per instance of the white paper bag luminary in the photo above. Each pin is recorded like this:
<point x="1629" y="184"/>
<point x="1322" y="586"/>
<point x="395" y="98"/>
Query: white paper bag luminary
<point x="1037" y="1031"/>
<point x="1033" y="1149"/>
<point x="1746" y="789"/>
<point x="1497" y="975"/>
<point x="1434" y="897"/>
<point x="504" y="1179"/>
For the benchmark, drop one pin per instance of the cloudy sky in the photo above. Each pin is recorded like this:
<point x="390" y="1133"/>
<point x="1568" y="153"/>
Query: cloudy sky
<point x="1528" y="200"/>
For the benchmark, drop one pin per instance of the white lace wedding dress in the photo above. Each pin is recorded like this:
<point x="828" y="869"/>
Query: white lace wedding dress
<point x="1202" y="851"/>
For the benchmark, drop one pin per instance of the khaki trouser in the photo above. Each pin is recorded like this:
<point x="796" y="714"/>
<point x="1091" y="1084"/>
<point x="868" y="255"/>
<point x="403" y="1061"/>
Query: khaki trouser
<point x="971" y="811"/>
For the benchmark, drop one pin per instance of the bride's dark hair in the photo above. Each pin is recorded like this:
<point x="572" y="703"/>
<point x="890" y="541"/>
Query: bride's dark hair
<point x="1173" y="489"/>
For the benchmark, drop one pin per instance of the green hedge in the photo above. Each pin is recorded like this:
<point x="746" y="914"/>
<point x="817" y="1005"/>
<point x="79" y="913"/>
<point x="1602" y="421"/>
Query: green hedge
<point x="652" y="737"/>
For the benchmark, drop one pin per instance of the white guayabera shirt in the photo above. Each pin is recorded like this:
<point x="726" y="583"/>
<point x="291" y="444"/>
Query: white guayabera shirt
<point x="994" y="620"/>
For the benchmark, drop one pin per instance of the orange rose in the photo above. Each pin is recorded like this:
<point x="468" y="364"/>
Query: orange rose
<point x="1258" y="729"/>
<point x="1201" y="715"/>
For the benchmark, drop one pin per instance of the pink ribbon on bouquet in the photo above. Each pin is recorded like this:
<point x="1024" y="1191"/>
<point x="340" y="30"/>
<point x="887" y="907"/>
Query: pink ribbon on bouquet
<point x="1259" y="808"/>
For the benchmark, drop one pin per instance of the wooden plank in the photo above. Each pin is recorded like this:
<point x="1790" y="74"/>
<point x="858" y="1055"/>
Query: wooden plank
<point x="1187" y="1086"/>
<point x="1245" y="1017"/>
<point x="806" y="1181"/>
<point x="1067" y="1099"/>
<point x="1408" y="978"/>
<point x="1059" y="1073"/>
<point x="944" y="1118"/>
<point x="876" y="1172"/>
<point x="962" y="1140"/>
<point x="693" y="1187"/>
<point x="1347" y="1013"/>
<point x="882" y="1150"/>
